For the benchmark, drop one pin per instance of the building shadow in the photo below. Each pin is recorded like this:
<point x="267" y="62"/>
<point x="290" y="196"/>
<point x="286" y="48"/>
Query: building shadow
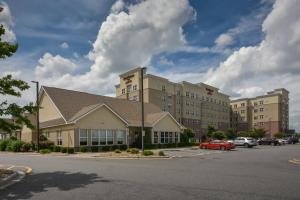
<point x="37" y="183"/>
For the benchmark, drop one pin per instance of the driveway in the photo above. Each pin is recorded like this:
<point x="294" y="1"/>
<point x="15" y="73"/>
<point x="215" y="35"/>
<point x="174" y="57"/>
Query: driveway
<point x="263" y="173"/>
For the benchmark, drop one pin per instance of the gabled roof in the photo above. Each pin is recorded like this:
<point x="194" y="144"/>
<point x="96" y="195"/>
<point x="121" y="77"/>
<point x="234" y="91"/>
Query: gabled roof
<point x="73" y="105"/>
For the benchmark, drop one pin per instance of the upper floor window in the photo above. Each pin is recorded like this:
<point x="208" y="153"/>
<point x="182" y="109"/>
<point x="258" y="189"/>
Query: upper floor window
<point x="243" y="104"/>
<point x="192" y="95"/>
<point x="255" y="103"/>
<point x="261" y="102"/>
<point x="163" y="88"/>
<point x="261" y="109"/>
<point x="255" y="110"/>
<point x="187" y="94"/>
<point x="261" y="116"/>
<point x="135" y="87"/>
<point x="242" y="111"/>
<point x="129" y="88"/>
<point x="123" y="91"/>
<point x="178" y="93"/>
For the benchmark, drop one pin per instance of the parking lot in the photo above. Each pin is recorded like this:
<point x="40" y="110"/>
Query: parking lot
<point x="263" y="173"/>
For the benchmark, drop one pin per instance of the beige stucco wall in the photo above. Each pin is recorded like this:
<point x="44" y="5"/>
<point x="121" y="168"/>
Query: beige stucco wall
<point x="67" y="134"/>
<point x="167" y="124"/>
<point x="27" y="135"/>
<point x="48" y="110"/>
<point x="102" y="118"/>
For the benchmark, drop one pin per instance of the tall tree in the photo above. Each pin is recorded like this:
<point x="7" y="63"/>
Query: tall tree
<point x="210" y="130"/>
<point x="12" y="87"/>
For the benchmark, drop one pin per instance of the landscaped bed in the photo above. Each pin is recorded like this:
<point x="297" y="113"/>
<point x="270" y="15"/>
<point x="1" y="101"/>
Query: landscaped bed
<point x="4" y="173"/>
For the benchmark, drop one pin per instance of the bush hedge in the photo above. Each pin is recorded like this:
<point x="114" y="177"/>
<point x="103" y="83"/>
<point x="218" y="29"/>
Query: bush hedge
<point x="3" y="144"/>
<point x="46" y="144"/>
<point x="83" y="149"/>
<point x="45" y="151"/>
<point x="161" y="153"/>
<point x="56" y="148"/>
<point x="148" y="153"/>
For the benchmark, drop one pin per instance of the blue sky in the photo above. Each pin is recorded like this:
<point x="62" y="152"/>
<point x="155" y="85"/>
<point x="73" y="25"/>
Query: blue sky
<point x="43" y="26"/>
<point x="243" y="47"/>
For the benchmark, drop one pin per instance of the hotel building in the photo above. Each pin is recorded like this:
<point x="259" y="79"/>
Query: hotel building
<point x="193" y="105"/>
<point x="270" y="112"/>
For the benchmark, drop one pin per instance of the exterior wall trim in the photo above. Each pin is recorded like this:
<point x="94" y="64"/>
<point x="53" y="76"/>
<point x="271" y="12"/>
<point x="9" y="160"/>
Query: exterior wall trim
<point x="181" y="127"/>
<point x="53" y="103"/>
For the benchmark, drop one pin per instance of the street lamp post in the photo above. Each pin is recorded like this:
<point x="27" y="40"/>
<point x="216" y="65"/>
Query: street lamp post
<point x="37" y="116"/>
<point x="142" y="105"/>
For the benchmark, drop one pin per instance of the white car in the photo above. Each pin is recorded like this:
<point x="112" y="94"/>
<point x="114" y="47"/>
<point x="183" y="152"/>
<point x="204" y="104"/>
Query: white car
<point x="282" y="141"/>
<point x="247" y="142"/>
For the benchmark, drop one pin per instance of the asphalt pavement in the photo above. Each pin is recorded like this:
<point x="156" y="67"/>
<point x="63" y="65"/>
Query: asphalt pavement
<point x="258" y="173"/>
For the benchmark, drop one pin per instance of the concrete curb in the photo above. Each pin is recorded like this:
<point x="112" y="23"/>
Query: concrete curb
<point x="17" y="176"/>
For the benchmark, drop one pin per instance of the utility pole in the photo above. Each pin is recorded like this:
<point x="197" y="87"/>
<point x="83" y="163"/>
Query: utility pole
<point x="142" y="104"/>
<point x="37" y="116"/>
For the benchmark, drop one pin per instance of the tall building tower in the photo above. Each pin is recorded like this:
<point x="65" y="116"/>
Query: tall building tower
<point x="193" y="105"/>
<point x="270" y="112"/>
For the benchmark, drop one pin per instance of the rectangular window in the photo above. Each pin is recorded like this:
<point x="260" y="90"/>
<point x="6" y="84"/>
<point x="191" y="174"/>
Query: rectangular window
<point x="261" y="109"/>
<point x="83" y="137"/>
<point x="58" y="137"/>
<point x="178" y="93"/>
<point x="261" y="116"/>
<point x="110" y="136"/>
<point x="261" y="102"/>
<point x="121" y="137"/>
<point x="255" y="110"/>
<point x="255" y="117"/>
<point x="102" y="137"/>
<point x="242" y="111"/>
<point x="123" y="91"/>
<point x="255" y="103"/>
<point x="162" y="137"/>
<point x="170" y="137"/>
<point x="187" y="103"/>
<point x="47" y="134"/>
<point x="163" y="88"/>
<point x="135" y="87"/>
<point x="176" y="138"/>
<point x="187" y="94"/>
<point x="155" y="137"/>
<point x="166" y="137"/>
<point x="95" y="137"/>
<point x="128" y="88"/>
<point x="192" y="95"/>
<point x="243" y="104"/>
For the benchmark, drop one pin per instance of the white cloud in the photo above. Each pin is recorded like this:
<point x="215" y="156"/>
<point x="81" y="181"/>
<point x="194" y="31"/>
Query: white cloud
<point x="274" y="63"/>
<point x="164" y="61"/>
<point x="54" y="66"/>
<point x="64" y="45"/>
<point x="224" y="40"/>
<point x="117" y="6"/>
<point x="7" y="22"/>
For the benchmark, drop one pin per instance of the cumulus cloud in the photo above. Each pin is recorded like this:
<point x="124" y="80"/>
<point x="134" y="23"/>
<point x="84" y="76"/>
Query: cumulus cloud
<point x="275" y="62"/>
<point x="125" y="40"/>
<point x="117" y="6"/>
<point x="54" y="66"/>
<point x="7" y="22"/>
<point x="164" y="61"/>
<point x="224" y="40"/>
<point x="64" y="45"/>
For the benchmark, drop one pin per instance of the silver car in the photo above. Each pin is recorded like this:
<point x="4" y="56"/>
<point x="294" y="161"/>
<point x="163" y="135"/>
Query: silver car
<point x="247" y="142"/>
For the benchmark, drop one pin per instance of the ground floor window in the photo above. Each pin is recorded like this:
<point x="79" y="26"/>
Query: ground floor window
<point x="121" y="136"/>
<point x="162" y="137"/>
<point x="83" y="137"/>
<point x="176" y="137"/>
<point x="58" y="137"/>
<point x="155" y="137"/>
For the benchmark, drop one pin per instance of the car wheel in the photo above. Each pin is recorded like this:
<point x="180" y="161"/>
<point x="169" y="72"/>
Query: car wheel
<point x="222" y="148"/>
<point x="246" y="145"/>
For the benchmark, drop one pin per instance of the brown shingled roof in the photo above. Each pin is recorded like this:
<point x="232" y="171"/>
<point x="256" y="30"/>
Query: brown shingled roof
<point x="73" y="104"/>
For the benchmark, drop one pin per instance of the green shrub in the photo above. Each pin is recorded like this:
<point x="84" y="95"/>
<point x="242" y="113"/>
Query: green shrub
<point x="117" y="151"/>
<point x="114" y="147"/>
<point x="70" y="150"/>
<point x="26" y="147"/>
<point x="161" y="153"/>
<point x="46" y="144"/>
<point x="83" y="149"/>
<point x="3" y="144"/>
<point x="123" y="147"/>
<point x="128" y="150"/>
<point x="45" y="151"/>
<point x="134" y="151"/>
<point x="148" y="153"/>
<point x="56" y="148"/>
<point x="106" y="148"/>
<point x="13" y="138"/>
<point x="63" y="149"/>
<point x="95" y="148"/>
<point x="14" y="145"/>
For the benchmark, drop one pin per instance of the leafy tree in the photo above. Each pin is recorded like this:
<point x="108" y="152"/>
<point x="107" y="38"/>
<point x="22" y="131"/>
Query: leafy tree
<point x="258" y="133"/>
<point x="12" y="87"/>
<point x="279" y="135"/>
<point x="231" y="133"/>
<point x="189" y="133"/>
<point x="244" y="134"/>
<point x="210" y="130"/>
<point x="219" y="135"/>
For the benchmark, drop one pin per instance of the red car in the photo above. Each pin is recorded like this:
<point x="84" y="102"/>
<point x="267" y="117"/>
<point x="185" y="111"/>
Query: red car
<point x="217" y="144"/>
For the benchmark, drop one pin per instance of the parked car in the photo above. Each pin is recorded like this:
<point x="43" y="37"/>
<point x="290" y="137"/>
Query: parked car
<point x="292" y="140"/>
<point x="268" y="141"/>
<point x="247" y="142"/>
<point x="217" y="144"/>
<point x="282" y="141"/>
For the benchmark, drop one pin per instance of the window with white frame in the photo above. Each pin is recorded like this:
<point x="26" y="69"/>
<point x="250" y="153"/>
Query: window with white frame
<point x="47" y="134"/>
<point x="155" y="137"/>
<point x="95" y="137"/>
<point x="162" y="137"/>
<point x="123" y="91"/>
<point x="170" y="137"/>
<point x="83" y="137"/>
<point x="135" y="87"/>
<point x="163" y="88"/>
<point x="166" y="137"/>
<point x="109" y="136"/>
<point x="176" y="137"/>
<point x="121" y="135"/>
<point x="102" y="137"/>
<point x="58" y="137"/>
